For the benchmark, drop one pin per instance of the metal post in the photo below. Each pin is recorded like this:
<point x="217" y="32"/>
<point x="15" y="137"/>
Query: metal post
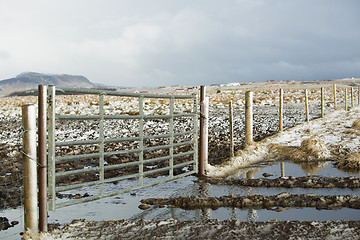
<point x="307" y="105"/>
<point x="334" y="96"/>
<point x="171" y="129"/>
<point x="322" y="102"/>
<point x="346" y="100"/>
<point x="30" y="168"/>
<point x="249" y="118"/>
<point x="281" y="107"/>
<point x="141" y="142"/>
<point x="195" y="136"/>
<point x="51" y="148"/>
<point x="203" y="131"/>
<point x="101" y="145"/>
<point x="352" y="97"/>
<point x="42" y="151"/>
<point x="231" y="129"/>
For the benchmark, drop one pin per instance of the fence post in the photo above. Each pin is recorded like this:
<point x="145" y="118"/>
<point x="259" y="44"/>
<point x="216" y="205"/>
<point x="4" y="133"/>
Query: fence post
<point x="30" y="168"/>
<point x="231" y="121"/>
<point x="203" y="131"/>
<point x="281" y="107"/>
<point x="358" y="95"/>
<point x="352" y="97"/>
<point x="322" y="102"/>
<point x="346" y="98"/>
<point x="282" y="169"/>
<point x="248" y="118"/>
<point x="307" y="105"/>
<point x="334" y="96"/>
<point x="42" y="118"/>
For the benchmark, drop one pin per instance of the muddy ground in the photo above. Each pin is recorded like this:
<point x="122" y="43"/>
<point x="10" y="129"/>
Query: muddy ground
<point x="209" y="229"/>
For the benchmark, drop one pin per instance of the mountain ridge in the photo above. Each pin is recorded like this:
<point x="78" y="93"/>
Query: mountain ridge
<point x="30" y="80"/>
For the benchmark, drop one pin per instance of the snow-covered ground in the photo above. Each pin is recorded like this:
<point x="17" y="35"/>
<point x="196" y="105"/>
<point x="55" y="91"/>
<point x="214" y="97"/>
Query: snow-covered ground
<point x="334" y="130"/>
<point x="338" y="138"/>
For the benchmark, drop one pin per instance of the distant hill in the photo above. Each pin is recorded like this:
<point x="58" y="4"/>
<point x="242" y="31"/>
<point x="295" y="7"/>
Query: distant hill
<point x="30" y="80"/>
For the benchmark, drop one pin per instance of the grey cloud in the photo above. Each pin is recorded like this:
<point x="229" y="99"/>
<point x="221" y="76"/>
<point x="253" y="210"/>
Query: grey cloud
<point x="194" y="42"/>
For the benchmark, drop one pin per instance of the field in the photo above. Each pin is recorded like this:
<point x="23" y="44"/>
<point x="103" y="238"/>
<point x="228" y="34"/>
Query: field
<point x="338" y="142"/>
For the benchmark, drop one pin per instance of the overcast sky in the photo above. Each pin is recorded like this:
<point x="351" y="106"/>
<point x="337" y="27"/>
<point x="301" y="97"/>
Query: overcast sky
<point x="181" y="42"/>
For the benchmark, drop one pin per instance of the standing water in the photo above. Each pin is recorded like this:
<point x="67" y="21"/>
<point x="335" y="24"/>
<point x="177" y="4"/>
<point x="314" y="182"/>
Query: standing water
<point x="125" y="206"/>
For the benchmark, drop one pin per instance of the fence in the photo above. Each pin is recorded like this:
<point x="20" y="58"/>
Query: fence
<point x="273" y="111"/>
<point x="101" y="166"/>
<point x="98" y="151"/>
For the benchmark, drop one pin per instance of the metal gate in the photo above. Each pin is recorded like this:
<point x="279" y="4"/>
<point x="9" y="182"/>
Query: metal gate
<point x="176" y="152"/>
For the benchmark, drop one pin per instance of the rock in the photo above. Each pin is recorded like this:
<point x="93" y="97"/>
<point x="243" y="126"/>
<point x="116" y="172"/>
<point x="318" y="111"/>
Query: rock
<point x="4" y="223"/>
<point x="14" y="223"/>
<point x="144" y="207"/>
<point x="267" y="175"/>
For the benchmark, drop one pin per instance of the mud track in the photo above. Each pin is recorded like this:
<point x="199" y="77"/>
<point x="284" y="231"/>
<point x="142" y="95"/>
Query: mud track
<point x="209" y="229"/>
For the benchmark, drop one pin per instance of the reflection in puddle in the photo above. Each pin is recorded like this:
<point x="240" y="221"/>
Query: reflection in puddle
<point x="272" y="169"/>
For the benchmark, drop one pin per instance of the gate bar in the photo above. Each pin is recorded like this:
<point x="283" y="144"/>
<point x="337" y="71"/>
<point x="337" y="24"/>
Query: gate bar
<point x="51" y="147"/>
<point x="141" y="142"/>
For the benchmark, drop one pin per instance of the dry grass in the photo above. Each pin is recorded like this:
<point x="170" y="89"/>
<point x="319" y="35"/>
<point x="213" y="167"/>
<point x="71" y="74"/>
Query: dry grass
<point x="350" y="164"/>
<point x="314" y="147"/>
<point x="310" y="149"/>
<point x="287" y="153"/>
<point x="356" y="124"/>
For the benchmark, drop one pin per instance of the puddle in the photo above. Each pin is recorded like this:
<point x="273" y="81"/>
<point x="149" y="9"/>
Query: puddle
<point x="125" y="206"/>
<point x="285" y="168"/>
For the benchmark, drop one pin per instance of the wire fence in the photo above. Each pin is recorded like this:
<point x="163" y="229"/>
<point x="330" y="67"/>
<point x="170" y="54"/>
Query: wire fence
<point x="266" y="113"/>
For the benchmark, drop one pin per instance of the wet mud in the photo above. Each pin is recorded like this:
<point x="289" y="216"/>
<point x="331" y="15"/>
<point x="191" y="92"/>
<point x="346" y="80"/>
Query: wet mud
<point x="289" y="182"/>
<point x="208" y="229"/>
<point x="276" y="202"/>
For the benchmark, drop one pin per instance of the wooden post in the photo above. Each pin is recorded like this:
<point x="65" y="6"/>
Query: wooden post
<point x="281" y="107"/>
<point x="231" y="129"/>
<point x="204" y="112"/>
<point x="282" y="169"/>
<point x="352" y="97"/>
<point x="346" y="98"/>
<point x="334" y="96"/>
<point x="30" y="168"/>
<point x="307" y="105"/>
<point x="42" y="118"/>
<point x="249" y="118"/>
<point x="322" y="102"/>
